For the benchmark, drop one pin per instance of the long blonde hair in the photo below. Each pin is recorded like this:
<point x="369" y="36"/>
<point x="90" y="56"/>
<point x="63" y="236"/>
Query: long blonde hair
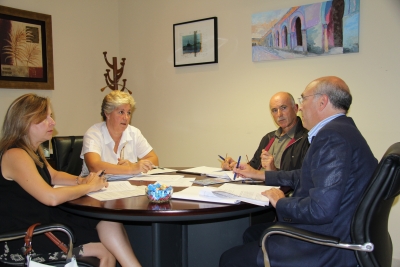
<point x="24" y="111"/>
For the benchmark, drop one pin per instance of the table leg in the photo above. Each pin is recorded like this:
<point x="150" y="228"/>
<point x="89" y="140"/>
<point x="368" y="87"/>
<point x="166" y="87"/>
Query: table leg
<point x="168" y="245"/>
<point x="155" y="227"/>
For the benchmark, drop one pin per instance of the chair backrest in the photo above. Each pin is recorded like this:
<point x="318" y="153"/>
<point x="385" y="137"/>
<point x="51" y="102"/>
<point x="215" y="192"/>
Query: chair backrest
<point x="370" y="222"/>
<point x="66" y="153"/>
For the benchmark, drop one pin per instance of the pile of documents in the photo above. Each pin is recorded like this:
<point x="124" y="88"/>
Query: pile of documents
<point x="226" y="193"/>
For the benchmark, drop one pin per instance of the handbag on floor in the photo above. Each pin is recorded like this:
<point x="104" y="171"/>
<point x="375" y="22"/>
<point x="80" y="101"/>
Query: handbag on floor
<point x="28" y="253"/>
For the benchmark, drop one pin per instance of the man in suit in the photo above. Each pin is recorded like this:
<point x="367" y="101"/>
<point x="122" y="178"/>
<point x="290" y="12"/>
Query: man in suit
<point x="284" y="148"/>
<point x="327" y="188"/>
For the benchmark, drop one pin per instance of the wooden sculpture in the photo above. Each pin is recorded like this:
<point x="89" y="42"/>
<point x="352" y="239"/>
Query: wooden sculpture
<point x="112" y="82"/>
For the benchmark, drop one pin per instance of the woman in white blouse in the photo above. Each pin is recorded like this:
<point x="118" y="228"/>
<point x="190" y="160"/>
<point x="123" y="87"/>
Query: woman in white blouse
<point x="114" y="145"/>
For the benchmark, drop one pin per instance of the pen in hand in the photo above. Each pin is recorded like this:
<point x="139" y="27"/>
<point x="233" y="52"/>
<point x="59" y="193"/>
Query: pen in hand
<point x="221" y="157"/>
<point x="237" y="166"/>
<point x="157" y="167"/>
<point x="101" y="174"/>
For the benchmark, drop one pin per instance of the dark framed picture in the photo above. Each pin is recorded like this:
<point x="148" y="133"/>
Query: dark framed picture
<point x="196" y="42"/>
<point x="26" y="50"/>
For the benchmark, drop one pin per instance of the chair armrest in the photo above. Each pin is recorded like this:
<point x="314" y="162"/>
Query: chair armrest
<point x="53" y="227"/>
<point x="40" y="229"/>
<point x="305" y="235"/>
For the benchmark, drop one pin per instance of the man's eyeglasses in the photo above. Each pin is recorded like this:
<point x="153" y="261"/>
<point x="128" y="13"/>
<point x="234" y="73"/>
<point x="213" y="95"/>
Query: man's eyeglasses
<point x="301" y="99"/>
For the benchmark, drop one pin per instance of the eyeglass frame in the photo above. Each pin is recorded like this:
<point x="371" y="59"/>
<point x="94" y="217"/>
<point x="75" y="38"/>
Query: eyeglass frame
<point x="301" y="99"/>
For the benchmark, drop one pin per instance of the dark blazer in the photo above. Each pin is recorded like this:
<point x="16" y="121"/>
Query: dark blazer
<point x="328" y="187"/>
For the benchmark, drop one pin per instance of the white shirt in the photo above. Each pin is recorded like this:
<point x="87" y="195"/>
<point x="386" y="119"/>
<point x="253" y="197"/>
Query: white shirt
<point x="97" y="139"/>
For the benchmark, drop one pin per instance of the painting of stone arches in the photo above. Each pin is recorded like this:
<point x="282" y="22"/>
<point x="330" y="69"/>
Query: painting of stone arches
<point x="325" y="28"/>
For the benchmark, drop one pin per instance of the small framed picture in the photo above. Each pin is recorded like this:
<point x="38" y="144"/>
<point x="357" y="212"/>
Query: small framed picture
<point x="196" y="42"/>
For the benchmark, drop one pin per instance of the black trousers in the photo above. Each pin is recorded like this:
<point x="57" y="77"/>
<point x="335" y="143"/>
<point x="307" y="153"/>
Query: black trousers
<point x="249" y="254"/>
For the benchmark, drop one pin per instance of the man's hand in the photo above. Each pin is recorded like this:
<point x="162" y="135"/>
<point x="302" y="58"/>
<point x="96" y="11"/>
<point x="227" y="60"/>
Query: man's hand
<point x="246" y="171"/>
<point x="273" y="195"/>
<point x="228" y="164"/>
<point x="267" y="161"/>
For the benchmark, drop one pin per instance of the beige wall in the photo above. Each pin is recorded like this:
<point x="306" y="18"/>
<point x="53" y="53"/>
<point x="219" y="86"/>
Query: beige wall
<point x="82" y="30"/>
<point x="192" y="114"/>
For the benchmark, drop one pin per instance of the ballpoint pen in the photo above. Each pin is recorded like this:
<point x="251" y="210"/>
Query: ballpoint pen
<point x="121" y="155"/>
<point x="237" y="166"/>
<point x="102" y="173"/>
<point x="221" y="157"/>
<point x="157" y="167"/>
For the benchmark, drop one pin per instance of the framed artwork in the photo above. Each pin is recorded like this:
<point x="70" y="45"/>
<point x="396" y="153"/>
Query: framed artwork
<point x="319" y="29"/>
<point x="26" y="50"/>
<point x="196" y="42"/>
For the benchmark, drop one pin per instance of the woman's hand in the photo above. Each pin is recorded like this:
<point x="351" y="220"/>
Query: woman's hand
<point x="98" y="182"/>
<point x="144" y="165"/>
<point x="123" y="162"/>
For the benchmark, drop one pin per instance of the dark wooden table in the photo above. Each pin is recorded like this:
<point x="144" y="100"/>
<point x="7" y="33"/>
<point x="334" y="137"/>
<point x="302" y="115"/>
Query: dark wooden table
<point x="178" y="233"/>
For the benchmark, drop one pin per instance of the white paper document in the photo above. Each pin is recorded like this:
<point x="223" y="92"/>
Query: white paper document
<point x="182" y="182"/>
<point x="200" y="170"/>
<point x="120" y="177"/>
<point x="246" y="193"/>
<point x="226" y="175"/>
<point x="198" y="193"/>
<point x="159" y="170"/>
<point x="156" y="178"/>
<point x="116" y="177"/>
<point x="222" y="174"/>
<point x="172" y="180"/>
<point x="117" y="190"/>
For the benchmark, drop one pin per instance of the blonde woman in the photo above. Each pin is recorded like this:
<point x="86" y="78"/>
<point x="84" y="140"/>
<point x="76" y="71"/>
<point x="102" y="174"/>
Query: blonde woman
<point x="27" y="195"/>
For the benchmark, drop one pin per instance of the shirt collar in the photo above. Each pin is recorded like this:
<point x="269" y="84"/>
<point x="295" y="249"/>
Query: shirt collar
<point x="291" y="132"/>
<point x="314" y="131"/>
<point x="106" y="134"/>
<point x="108" y="139"/>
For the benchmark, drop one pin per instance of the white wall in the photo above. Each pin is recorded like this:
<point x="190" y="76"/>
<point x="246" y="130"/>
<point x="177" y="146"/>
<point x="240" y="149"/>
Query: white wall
<point x="192" y="114"/>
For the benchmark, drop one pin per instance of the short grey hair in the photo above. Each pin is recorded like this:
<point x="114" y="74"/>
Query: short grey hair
<point x="337" y="92"/>
<point x="291" y="99"/>
<point x="115" y="99"/>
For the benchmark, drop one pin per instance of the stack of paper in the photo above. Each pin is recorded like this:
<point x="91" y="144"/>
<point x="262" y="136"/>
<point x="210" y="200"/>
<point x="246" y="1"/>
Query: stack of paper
<point x="198" y="193"/>
<point x="222" y="174"/>
<point x="170" y="180"/>
<point x="246" y="193"/>
<point x="211" y="181"/>
<point x="200" y="170"/>
<point x="117" y="190"/>
<point x="116" y="177"/>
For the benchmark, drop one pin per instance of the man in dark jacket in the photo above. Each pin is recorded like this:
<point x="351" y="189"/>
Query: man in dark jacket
<point x="284" y="148"/>
<point x="335" y="172"/>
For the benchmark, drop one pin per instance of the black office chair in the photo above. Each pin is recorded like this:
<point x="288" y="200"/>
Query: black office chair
<point x="66" y="153"/>
<point x="41" y="229"/>
<point x="369" y="228"/>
